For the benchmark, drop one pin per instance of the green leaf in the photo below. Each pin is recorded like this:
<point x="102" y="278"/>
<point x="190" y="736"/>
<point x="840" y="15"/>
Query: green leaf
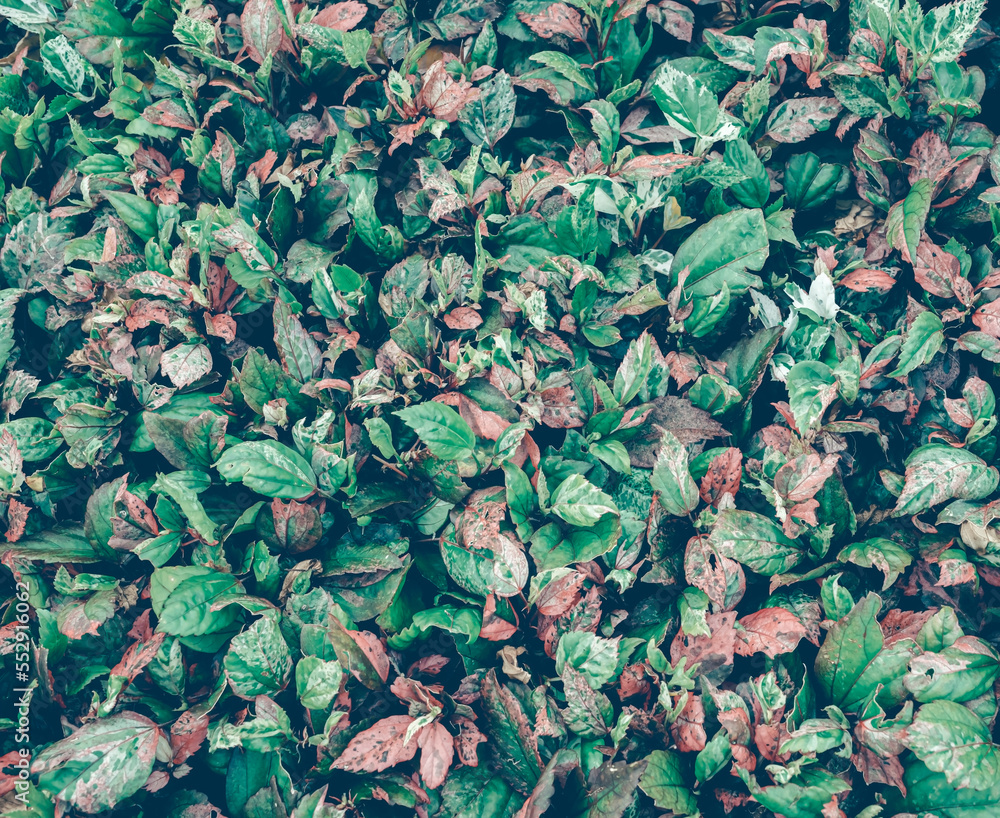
<point x="930" y="793"/>
<point x="887" y="556"/>
<point x="299" y="353"/>
<point x="579" y="502"/>
<point x="258" y="661"/>
<point x="812" y="387"/>
<point x="487" y="119"/>
<point x="755" y="541"/>
<point x="672" y="479"/>
<point x="101" y="764"/>
<point x="634" y="369"/>
<point x="721" y="252"/>
<point x="441" y="429"/>
<point x="592" y="656"/>
<point x="922" y="342"/>
<point x="951" y="739"/>
<point x="937" y="472"/>
<point x="183" y="597"/>
<point x="137" y="212"/>
<point x="960" y="672"/>
<point x="665" y="782"/>
<point x="905" y="223"/>
<point x="689" y="105"/>
<point x="810" y="183"/>
<point x="269" y="468"/>
<point x="851" y="662"/>
<point x="513" y="739"/>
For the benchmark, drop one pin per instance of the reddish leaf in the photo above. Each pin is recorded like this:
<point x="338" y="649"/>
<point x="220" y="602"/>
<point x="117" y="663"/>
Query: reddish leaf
<point x="17" y="519"/>
<point x="771" y="631"/>
<point x="341" y="16"/>
<point x="378" y="748"/>
<point x="437" y="749"/>
<point x="443" y="96"/>
<point x="556" y="19"/>
<point x="864" y="280"/>
<point x="723" y="476"/>
<point x="188" y="734"/>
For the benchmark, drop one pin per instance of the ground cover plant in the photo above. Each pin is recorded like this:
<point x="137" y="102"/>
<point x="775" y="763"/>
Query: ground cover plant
<point x="470" y="408"/>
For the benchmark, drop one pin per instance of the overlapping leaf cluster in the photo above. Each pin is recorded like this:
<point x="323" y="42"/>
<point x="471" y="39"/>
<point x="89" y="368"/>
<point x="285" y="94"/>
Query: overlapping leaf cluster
<point x="476" y="408"/>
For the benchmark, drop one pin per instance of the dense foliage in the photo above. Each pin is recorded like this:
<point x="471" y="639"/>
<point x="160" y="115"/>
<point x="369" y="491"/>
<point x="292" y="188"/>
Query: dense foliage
<point x="471" y="408"/>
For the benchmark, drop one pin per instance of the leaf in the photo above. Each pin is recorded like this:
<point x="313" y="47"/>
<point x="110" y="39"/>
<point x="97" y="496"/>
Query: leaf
<point x="441" y="429"/>
<point x="258" y="661"/>
<point x="664" y="781"/>
<point x="95" y="25"/>
<point x="852" y="663"/>
<point x="101" y="764"/>
<point x="672" y="479"/>
<point x="906" y="219"/>
<point x="634" y="369"/>
<point x="269" y="468"/>
<point x="754" y="541"/>
<point x="514" y="743"/>
<point x="812" y="387"/>
<point x="487" y="119"/>
<point x="889" y="557"/>
<point x="378" y="748"/>
<point x="950" y="739"/>
<point x="688" y="106"/>
<point x="183" y="598"/>
<point x="923" y="340"/>
<point x="437" y="749"/>
<point x="299" y="353"/>
<point x="935" y="473"/>
<point x="797" y="119"/>
<point x="721" y="251"/>
<point x="771" y="631"/>
<point x="580" y="503"/>
<point x="186" y="363"/>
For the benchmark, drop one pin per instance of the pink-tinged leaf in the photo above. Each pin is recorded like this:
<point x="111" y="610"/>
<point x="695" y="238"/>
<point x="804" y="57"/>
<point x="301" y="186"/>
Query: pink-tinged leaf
<point x="958" y="411"/>
<point x="561" y="594"/>
<point x="188" y="734"/>
<point x="560" y="409"/>
<point x="987" y="318"/>
<point x="799" y="479"/>
<point x="675" y="18"/>
<point x="437" y="749"/>
<point x="797" y="119"/>
<point x="262" y="29"/>
<point x="443" y="96"/>
<point x="939" y="273"/>
<point x="495" y="628"/>
<point x="341" y="16"/>
<point x="17" y="519"/>
<point x="864" y="280"/>
<point x="772" y="631"/>
<point x="556" y="19"/>
<point x="469" y="738"/>
<point x="170" y="114"/>
<point x="379" y="747"/>
<point x="723" y="476"/>
<point x="462" y="318"/>
<point x="100" y="765"/>
<point x="929" y="158"/>
<point x="721" y="578"/>
<point x="688" y="729"/>
<point x="186" y="363"/>
<point x="711" y="652"/>
<point x="138" y="656"/>
<point x="654" y="167"/>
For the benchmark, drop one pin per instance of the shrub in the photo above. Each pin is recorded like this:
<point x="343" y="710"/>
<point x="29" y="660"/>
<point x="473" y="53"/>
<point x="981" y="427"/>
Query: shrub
<point x="469" y="408"/>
